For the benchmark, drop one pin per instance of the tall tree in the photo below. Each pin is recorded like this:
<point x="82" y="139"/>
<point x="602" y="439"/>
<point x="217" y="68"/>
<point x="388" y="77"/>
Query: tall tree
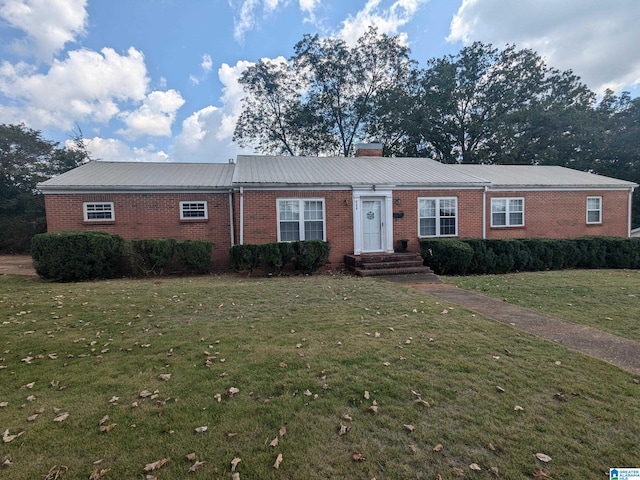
<point x="26" y="159"/>
<point x="321" y="101"/>
<point x="482" y="105"/>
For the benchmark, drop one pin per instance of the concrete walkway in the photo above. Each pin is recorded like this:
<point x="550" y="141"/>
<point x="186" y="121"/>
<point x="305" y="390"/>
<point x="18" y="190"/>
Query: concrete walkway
<point x="616" y="350"/>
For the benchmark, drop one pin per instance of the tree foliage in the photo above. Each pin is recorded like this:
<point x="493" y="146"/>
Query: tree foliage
<point x="26" y="159"/>
<point x="322" y="99"/>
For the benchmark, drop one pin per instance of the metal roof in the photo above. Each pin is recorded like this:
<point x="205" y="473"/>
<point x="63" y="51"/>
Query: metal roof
<point x="113" y="176"/>
<point x="285" y="171"/>
<point x="257" y="170"/>
<point x="539" y="176"/>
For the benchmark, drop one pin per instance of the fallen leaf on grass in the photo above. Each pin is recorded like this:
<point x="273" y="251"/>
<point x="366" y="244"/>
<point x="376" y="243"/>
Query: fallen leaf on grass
<point x="274" y="442"/>
<point x="114" y="399"/>
<point x="540" y="474"/>
<point x="438" y="448"/>
<point x="62" y="417"/>
<point x="410" y="428"/>
<point x="6" y="463"/>
<point x="196" y="466"/>
<point x="31" y="398"/>
<point x="282" y="431"/>
<point x="165" y="377"/>
<point x="191" y="456"/>
<point x="99" y="473"/>
<point x="145" y="394"/>
<point x="218" y="397"/>
<point x="56" y="472"/>
<point x="278" y="461"/>
<point x="29" y="385"/>
<point x="413" y="447"/>
<point x="234" y="463"/>
<point x="347" y="417"/>
<point x="495" y="471"/>
<point x="6" y="438"/>
<point x="232" y="391"/>
<point x="32" y="417"/>
<point x="475" y="467"/>
<point x="500" y="389"/>
<point x="106" y="428"/>
<point x="4" y="404"/>
<point x="543" y="457"/>
<point x="149" y="467"/>
<point x="518" y="408"/>
<point x="458" y="472"/>
<point x="422" y="402"/>
<point x="103" y="420"/>
<point x="201" y="429"/>
<point x="366" y="395"/>
<point x="343" y="430"/>
<point x="235" y="476"/>
<point x="308" y="393"/>
<point x="357" y="457"/>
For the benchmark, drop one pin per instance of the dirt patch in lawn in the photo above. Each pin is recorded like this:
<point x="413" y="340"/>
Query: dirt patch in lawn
<point x="16" y="265"/>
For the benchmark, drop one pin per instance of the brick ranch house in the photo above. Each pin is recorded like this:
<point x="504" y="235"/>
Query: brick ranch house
<point x="359" y="205"/>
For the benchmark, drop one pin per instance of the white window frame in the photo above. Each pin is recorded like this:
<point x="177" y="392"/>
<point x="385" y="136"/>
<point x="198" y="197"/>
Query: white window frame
<point x="508" y="211"/>
<point x="184" y="208"/>
<point x="437" y="217"/>
<point x="301" y="220"/>
<point x="88" y="208"/>
<point x="599" y="210"/>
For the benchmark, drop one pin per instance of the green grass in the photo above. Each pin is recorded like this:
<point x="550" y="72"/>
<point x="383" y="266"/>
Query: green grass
<point x="608" y="300"/>
<point x="279" y="338"/>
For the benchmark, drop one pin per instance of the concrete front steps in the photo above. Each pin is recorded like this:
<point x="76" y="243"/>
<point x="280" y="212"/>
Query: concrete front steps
<point x="387" y="264"/>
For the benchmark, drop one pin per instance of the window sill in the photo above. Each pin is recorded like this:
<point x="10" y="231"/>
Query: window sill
<point x="497" y="227"/>
<point x="194" y="220"/>
<point x="98" y="222"/>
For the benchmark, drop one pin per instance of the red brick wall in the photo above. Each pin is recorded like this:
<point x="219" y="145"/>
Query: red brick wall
<point x="261" y="217"/>
<point x="549" y="214"/>
<point x="153" y="215"/>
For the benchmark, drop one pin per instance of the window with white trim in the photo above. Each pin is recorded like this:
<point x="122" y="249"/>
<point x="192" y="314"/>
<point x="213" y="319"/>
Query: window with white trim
<point x="193" y="211"/>
<point x="438" y="217"/>
<point x="507" y="212"/>
<point x="594" y="209"/>
<point x="98" y="211"/>
<point x="301" y="219"/>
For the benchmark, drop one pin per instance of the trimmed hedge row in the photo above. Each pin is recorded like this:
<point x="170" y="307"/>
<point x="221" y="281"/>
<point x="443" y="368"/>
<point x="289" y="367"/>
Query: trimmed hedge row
<point x="477" y="256"/>
<point x="305" y="257"/>
<point x="77" y="256"/>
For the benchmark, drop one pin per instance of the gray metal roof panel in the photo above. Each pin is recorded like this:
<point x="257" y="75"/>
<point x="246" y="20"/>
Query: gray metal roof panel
<point x="283" y="170"/>
<point x="523" y="176"/>
<point x="101" y="175"/>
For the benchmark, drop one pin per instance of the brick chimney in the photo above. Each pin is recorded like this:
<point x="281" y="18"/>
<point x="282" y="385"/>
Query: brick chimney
<point x="368" y="150"/>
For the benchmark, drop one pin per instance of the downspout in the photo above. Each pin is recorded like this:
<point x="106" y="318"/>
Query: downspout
<point x="629" y="211"/>
<point x="231" y="213"/>
<point x="484" y="212"/>
<point x="241" y="215"/>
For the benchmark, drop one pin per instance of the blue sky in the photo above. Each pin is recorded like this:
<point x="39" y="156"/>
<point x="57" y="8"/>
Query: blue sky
<point x="156" y="80"/>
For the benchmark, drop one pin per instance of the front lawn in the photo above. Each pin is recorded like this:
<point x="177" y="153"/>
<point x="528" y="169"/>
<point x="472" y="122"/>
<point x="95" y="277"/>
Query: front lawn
<point x="345" y="377"/>
<point x="608" y="300"/>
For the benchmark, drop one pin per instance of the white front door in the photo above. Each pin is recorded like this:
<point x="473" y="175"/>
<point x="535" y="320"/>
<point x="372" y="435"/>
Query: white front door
<point x="372" y="225"/>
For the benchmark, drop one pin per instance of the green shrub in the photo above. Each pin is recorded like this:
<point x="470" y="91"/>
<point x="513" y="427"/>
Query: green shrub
<point x="244" y="257"/>
<point x="194" y="256"/>
<point x="75" y="256"/>
<point x="305" y="257"/>
<point x="309" y="256"/>
<point x="151" y="256"/>
<point x="447" y="256"/>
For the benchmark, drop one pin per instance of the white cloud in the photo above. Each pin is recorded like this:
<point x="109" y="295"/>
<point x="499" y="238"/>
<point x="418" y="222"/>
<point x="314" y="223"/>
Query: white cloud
<point x="387" y="21"/>
<point x="245" y="19"/>
<point x="48" y="24"/>
<point x="110" y="149"/>
<point x="207" y="63"/>
<point x="207" y="134"/>
<point x="597" y="40"/>
<point x="154" y="117"/>
<point x="86" y="86"/>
